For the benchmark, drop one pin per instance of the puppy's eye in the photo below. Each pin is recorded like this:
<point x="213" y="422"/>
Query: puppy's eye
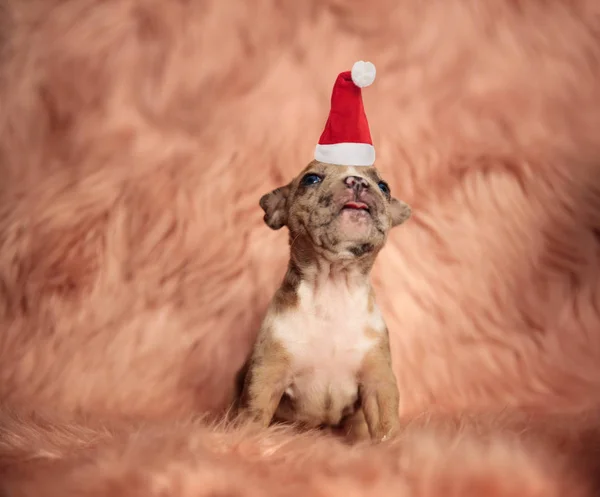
<point x="383" y="186"/>
<point x="311" y="179"/>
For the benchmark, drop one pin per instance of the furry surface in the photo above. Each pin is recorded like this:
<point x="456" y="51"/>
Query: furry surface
<point x="480" y="456"/>
<point x="135" y="140"/>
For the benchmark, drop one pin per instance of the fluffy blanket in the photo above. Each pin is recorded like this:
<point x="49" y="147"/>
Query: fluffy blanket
<point x="136" y="137"/>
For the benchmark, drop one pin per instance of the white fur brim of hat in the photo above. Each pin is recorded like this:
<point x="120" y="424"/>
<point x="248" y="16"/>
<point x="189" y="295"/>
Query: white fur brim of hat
<point x="346" y="154"/>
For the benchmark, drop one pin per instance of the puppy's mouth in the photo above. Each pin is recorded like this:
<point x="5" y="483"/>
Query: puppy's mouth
<point x="356" y="206"/>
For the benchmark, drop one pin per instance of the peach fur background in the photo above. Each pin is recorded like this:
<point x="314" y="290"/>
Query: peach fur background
<point x="136" y="138"/>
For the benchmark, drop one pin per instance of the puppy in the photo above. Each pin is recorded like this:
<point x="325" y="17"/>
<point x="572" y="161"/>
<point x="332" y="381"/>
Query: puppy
<point x="322" y="357"/>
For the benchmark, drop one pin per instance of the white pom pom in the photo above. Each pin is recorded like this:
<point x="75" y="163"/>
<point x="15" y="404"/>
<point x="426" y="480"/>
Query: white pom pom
<point x="363" y="73"/>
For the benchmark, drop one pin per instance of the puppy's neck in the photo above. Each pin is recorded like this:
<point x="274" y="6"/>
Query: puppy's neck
<point x="324" y="273"/>
<point x="314" y="261"/>
<point x="316" y="272"/>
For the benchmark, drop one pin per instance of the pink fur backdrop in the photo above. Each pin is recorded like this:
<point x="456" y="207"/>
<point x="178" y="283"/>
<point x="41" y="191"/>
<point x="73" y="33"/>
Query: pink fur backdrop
<point x="136" y="138"/>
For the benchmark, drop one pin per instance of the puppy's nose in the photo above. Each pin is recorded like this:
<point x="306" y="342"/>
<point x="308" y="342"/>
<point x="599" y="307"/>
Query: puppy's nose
<point x="356" y="183"/>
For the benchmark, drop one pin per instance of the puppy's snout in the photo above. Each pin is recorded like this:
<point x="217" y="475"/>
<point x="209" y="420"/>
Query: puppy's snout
<point x="356" y="183"/>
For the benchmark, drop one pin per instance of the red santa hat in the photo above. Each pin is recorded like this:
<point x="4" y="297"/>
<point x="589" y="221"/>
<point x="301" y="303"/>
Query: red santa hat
<point x="346" y="139"/>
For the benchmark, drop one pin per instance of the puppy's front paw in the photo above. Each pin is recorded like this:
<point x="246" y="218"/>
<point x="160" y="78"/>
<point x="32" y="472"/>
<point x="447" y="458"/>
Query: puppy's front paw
<point x="258" y="419"/>
<point x="386" y="434"/>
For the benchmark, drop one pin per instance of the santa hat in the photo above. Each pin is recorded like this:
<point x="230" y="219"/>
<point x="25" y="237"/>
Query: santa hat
<point x="346" y="139"/>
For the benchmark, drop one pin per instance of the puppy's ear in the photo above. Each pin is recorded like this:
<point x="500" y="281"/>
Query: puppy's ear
<point x="275" y="206"/>
<point x="399" y="211"/>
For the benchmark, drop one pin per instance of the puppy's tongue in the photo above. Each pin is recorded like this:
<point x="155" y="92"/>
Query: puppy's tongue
<point x="356" y="205"/>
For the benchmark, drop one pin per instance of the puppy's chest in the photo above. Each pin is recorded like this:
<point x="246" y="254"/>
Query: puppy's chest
<point x="330" y="328"/>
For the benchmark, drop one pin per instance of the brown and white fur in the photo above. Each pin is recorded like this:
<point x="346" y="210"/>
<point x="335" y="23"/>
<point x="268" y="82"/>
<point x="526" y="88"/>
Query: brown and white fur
<point x="322" y="356"/>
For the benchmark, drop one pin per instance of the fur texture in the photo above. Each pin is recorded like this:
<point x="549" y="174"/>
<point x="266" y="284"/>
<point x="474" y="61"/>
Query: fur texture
<point x="136" y="138"/>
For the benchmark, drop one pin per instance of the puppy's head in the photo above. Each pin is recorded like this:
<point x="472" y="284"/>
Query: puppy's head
<point x="342" y="210"/>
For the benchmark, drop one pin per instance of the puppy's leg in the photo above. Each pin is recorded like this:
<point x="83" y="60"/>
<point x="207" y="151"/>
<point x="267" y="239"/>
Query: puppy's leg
<point x="355" y="428"/>
<point x="266" y="381"/>
<point x="379" y="396"/>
